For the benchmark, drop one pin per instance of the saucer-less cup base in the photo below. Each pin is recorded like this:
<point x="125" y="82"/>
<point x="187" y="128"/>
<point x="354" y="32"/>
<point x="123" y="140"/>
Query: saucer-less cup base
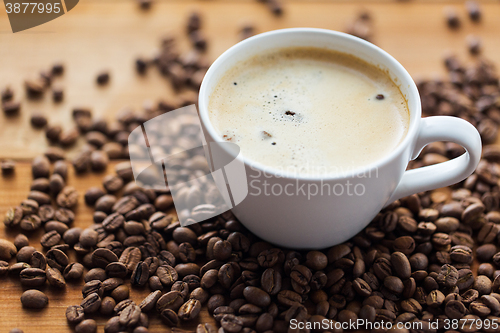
<point x="300" y="220"/>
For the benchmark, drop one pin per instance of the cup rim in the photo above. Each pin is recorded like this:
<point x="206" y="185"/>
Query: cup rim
<point x="405" y="78"/>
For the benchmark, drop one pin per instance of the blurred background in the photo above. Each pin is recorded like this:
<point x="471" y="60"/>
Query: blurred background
<point x="110" y="35"/>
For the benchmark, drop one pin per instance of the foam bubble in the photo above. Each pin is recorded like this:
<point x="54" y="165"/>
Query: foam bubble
<point x="319" y="107"/>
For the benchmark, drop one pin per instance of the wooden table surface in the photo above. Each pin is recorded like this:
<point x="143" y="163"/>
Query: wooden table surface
<point x="109" y="34"/>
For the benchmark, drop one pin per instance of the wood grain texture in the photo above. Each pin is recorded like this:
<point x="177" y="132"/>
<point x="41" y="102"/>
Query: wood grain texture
<point x="109" y="35"/>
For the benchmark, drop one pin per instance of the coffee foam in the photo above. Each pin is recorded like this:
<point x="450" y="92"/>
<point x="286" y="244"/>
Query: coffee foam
<point x="309" y="111"/>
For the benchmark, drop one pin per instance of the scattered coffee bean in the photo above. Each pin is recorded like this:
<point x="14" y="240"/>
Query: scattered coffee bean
<point x="34" y="299"/>
<point x="38" y="120"/>
<point x="102" y="78"/>
<point x="74" y="314"/>
<point x="8" y="167"/>
<point x="86" y="326"/>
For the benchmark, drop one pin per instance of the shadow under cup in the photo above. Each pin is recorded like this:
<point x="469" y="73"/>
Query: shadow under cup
<point x="317" y="213"/>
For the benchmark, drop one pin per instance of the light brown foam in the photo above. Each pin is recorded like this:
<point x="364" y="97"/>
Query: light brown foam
<point x="337" y="124"/>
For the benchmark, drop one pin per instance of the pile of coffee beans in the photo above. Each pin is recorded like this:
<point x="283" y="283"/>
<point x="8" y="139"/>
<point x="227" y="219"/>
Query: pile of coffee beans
<point x="428" y="257"/>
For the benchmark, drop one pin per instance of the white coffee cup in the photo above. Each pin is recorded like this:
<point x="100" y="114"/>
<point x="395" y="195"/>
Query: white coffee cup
<point x="306" y="221"/>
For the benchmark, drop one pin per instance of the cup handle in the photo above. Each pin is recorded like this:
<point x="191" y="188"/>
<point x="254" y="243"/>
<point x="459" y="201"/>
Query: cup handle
<point x="441" y="128"/>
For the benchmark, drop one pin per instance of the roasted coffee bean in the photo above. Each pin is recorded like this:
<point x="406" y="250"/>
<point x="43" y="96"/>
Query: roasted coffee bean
<point x="455" y="309"/>
<point x="150" y="301"/>
<point x="29" y="206"/>
<point x="95" y="274"/>
<point x="200" y="294"/>
<point x="30" y="223"/>
<point x="465" y="279"/>
<point x="116" y="270"/>
<point x="155" y="283"/>
<point x="103" y="257"/>
<point x="163" y="202"/>
<point x="362" y="287"/>
<point x="120" y="293"/>
<point x="448" y="276"/>
<point x="56" y="226"/>
<point x="93" y="286"/>
<point x="8" y="167"/>
<point x="231" y="323"/>
<point x="24" y="254"/>
<point x="72" y="236"/>
<point x="301" y="275"/>
<point x="92" y="195"/>
<point x="91" y="303"/>
<point x="271" y="281"/>
<point x="56" y="184"/>
<point x="74" y="314"/>
<point x="40" y="197"/>
<point x="111" y="283"/>
<point x="382" y="268"/>
<point x="206" y="328"/>
<point x="32" y="277"/>
<point x="88" y="238"/>
<point x="222" y="250"/>
<point x="86" y="326"/>
<point x="21" y="241"/>
<point x="129" y="317"/>
<point x="401" y="265"/>
<point x="38" y="120"/>
<point x="190" y="310"/>
<point x="394" y="284"/>
<point x="57" y="259"/>
<point x="187" y="269"/>
<point x="404" y="244"/>
<point x="203" y="212"/>
<point x="130" y="257"/>
<point x="46" y="213"/>
<point x="492" y="303"/>
<point x="112" y="183"/>
<point x="461" y="254"/>
<point x="102" y="78"/>
<point x="483" y="285"/>
<point x="52" y="133"/>
<point x="124" y="171"/>
<point x="140" y="275"/>
<point x="183" y="234"/>
<point x="256" y="296"/>
<point x="34" y="299"/>
<point x="179" y="286"/>
<point x="125" y="205"/>
<point x="113" y="325"/>
<point x="171" y="300"/>
<point x="13" y="216"/>
<point x="41" y="184"/>
<point x="105" y="203"/>
<point x="11" y="108"/>
<point x="40" y="167"/>
<point x="169" y="317"/>
<point x="68" y="197"/>
<point x="55" y="278"/>
<point x="479" y="309"/>
<point x="50" y="239"/>
<point x="73" y="271"/>
<point x="64" y="215"/>
<point x="113" y="222"/>
<point x="7" y="249"/>
<point x="99" y="160"/>
<point x="209" y="279"/>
